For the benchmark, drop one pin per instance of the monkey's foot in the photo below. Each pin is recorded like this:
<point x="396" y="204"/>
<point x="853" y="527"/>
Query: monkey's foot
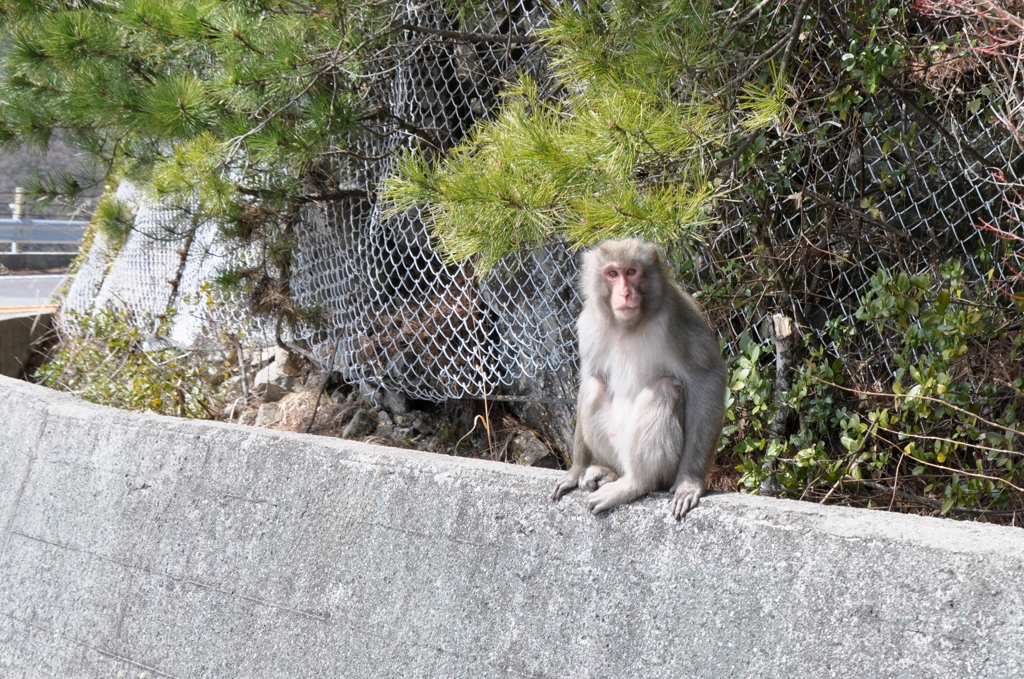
<point x="687" y="495"/>
<point x="612" y="494"/>
<point x="596" y="476"/>
<point x="568" y="482"/>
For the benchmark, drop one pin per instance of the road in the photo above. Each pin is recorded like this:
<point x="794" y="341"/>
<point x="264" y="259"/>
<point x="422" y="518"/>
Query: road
<point x="29" y="290"/>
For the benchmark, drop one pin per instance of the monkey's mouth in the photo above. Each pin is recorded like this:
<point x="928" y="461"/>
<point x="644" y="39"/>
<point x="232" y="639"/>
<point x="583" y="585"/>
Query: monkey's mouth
<point x="627" y="311"/>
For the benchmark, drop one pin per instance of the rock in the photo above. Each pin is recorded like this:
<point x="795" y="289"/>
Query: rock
<point x="431" y="444"/>
<point x="232" y="387"/>
<point x="381" y="397"/>
<point x="285" y="362"/>
<point x="384" y="419"/>
<point x="528" y="450"/>
<point x="339" y="397"/>
<point x="256" y="359"/>
<point x="269" y="391"/>
<point x="419" y="422"/>
<point x="268" y="414"/>
<point x="228" y="413"/>
<point x="369" y="393"/>
<point x="553" y="420"/>
<point x="341" y="416"/>
<point x="394" y="401"/>
<point x="299" y="399"/>
<point x="363" y="423"/>
<point x="271" y="383"/>
<point x="248" y="418"/>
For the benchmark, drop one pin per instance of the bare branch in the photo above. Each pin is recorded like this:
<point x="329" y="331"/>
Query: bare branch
<point x="459" y="36"/>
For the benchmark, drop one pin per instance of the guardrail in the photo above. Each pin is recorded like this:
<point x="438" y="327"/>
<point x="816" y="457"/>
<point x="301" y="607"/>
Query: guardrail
<point x="48" y="231"/>
<point x="19" y="229"/>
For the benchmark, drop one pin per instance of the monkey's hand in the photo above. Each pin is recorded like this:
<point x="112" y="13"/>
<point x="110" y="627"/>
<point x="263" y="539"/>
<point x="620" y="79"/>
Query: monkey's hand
<point x="568" y="482"/>
<point x="687" y="495"/>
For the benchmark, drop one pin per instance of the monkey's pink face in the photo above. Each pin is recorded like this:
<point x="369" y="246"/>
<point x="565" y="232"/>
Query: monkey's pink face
<point x="623" y="281"/>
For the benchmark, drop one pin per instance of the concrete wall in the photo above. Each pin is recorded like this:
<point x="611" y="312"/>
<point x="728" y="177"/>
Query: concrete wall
<point x="36" y="261"/>
<point x="138" y="545"/>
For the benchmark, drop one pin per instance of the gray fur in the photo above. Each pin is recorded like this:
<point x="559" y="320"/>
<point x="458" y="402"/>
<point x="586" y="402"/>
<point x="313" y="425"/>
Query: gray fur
<point x="652" y="388"/>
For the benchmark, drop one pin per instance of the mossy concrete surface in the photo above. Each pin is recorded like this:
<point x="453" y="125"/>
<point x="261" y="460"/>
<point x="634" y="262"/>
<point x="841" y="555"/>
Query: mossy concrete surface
<point x="144" y="545"/>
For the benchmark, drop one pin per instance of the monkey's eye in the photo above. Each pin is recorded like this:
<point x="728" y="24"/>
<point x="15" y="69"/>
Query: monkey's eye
<point x="630" y="272"/>
<point x="613" y="273"/>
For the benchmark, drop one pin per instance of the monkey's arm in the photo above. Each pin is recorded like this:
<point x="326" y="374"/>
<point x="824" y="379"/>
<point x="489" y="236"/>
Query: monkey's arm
<point x="581" y="460"/>
<point x="592" y="392"/>
<point x="688" y="494"/>
<point x="705" y="409"/>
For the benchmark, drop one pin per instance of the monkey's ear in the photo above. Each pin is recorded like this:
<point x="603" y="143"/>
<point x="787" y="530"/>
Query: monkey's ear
<point x="655" y="255"/>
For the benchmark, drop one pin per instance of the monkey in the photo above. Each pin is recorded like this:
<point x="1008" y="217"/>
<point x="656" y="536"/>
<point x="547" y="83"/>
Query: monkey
<point x="652" y="383"/>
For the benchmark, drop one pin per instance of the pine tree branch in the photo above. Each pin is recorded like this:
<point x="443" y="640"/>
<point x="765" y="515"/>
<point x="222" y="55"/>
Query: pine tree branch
<point x="794" y="35"/>
<point x="340" y="193"/>
<point x="760" y="59"/>
<point x="744" y="145"/>
<point x="740" y="23"/>
<point x="237" y="35"/>
<point x="235" y="144"/>
<point x="790" y="42"/>
<point x="405" y="126"/>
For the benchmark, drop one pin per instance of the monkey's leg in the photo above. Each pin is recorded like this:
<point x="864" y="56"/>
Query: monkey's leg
<point x="652" y="448"/>
<point x="615" y="493"/>
<point x="588" y="406"/>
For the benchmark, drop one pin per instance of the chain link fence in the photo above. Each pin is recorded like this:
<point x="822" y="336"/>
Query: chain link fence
<point x="386" y="309"/>
<point x="903" y="193"/>
<point x="896" y="190"/>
